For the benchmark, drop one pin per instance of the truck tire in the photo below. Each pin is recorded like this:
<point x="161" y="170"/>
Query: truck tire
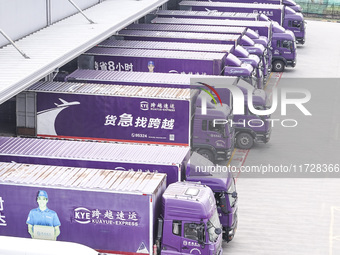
<point x="278" y="66"/>
<point x="207" y="154"/>
<point x="244" y="141"/>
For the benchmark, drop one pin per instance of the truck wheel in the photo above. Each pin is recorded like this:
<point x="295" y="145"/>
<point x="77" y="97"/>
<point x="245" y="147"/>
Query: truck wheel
<point x="207" y="154"/>
<point x="278" y="66"/>
<point x="244" y="141"/>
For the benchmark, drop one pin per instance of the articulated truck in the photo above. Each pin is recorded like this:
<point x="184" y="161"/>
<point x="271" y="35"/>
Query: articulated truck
<point x="243" y="31"/>
<point x="134" y="114"/>
<point x="190" y="37"/>
<point x="287" y="3"/>
<point x="282" y="51"/>
<point x="163" y="61"/>
<point x="238" y="51"/>
<point x="245" y="41"/>
<point x="126" y="60"/>
<point x="169" y="160"/>
<point x="285" y="16"/>
<point x="207" y="14"/>
<point x="111" y="211"/>
<point x="245" y="133"/>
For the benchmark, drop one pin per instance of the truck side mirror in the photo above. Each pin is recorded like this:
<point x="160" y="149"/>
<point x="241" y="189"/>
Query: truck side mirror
<point x="160" y="229"/>
<point x="234" y="194"/>
<point x="218" y="231"/>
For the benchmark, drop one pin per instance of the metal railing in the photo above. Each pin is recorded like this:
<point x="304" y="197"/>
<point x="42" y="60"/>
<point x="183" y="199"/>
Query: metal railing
<point x="320" y="9"/>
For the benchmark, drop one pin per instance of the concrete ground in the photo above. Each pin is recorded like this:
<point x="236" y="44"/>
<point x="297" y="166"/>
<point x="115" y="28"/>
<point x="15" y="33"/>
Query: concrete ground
<point x="297" y="212"/>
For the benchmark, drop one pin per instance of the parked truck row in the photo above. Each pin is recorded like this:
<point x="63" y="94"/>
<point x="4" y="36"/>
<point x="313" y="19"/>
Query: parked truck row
<point x="281" y="47"/>
<point x="133" y="128"/>
<point x="175" y="162"/>
<point x="105" y="209"/>
<point x="284" y="15"/>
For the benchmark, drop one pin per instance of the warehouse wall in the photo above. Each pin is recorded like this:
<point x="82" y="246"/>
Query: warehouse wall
<point x="19" y="18"/>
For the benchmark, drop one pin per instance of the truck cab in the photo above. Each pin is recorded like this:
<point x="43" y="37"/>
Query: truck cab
<point x="294" y="22"/>
<point x="250" y="127"/>
<point x="284" y="51"/>
<point x="213" y="141"/>
<point x="190" y="222"/>
<point x="224" y="189"/>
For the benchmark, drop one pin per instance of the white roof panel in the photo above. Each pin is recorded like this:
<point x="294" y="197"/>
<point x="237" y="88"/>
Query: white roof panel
<point x="54" y="46"/>
<point x="112" y="90"/>
<point x="75" y="178"/>
<point x="93" y="151"/>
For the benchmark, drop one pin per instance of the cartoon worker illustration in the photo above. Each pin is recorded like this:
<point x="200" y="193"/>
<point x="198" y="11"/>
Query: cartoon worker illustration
<point x="151" y="66"/>
<point x="42" y="222"/>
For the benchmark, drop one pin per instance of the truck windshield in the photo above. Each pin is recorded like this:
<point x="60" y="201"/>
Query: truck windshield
<point x="231" y="189"/>
<point x="220" y="128"/>
<point x="288" y="45"/>
<point x="213" y="223"/>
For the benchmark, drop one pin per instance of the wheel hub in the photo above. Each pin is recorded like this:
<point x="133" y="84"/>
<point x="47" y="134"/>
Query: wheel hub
<point x="244" y="140"/>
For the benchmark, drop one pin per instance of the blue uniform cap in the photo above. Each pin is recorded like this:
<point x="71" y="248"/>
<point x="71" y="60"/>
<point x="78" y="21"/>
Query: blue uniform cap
<point x="151" y="63"/>
<point x="42" y="193"/>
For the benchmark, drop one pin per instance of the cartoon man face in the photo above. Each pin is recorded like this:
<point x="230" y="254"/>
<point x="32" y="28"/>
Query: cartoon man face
<point x="42" y="202"/>
<point x="151" y="66"/>
<point x="42" y="199"/>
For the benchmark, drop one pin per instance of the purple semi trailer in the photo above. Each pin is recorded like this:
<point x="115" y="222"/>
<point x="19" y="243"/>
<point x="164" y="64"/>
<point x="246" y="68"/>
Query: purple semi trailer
<point x="260" y="133"/>
<point x="162" y="61"/>
<point x="252" y="34"/>
<point x="115" y="212"/>
<point x="170" y="160"/>
<point x="232" y="65"/>
<point x="282" y="42"/>
<point x="135" y="114"/>
<point x="287" y="3"/>
<point x="91" y="155"/>
<point x="285" y="16"/>
<point x="206" y="15"/>
<point x="238" y="51"/>
<point x="252" y="47"/>
<point x="243" y="31"/>
<point x="110" y="113"/>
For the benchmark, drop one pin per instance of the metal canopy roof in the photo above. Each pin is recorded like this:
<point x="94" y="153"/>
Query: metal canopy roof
<point x="54" y="46"/>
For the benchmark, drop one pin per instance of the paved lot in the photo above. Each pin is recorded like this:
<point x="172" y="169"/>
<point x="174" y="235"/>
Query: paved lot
<point x="297" y="215"/>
